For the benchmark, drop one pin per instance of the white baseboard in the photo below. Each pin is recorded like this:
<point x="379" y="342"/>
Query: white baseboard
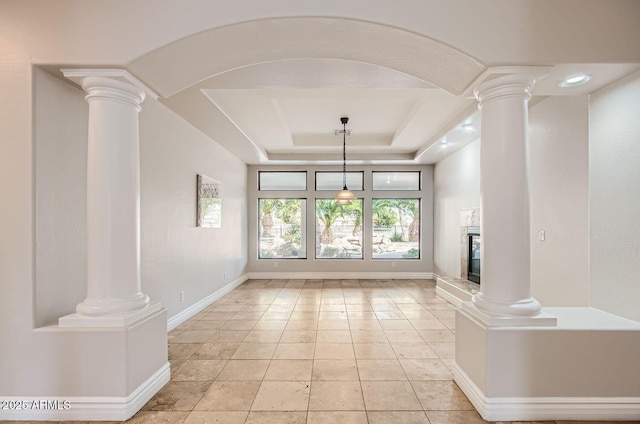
<point x="192" y="310"/>
<point x="451" y="293"/>
<point x="547" y="408"/>
<point x="92" y="408"/>
<point x="341" y="275"/>
<point x="448" y="297"/>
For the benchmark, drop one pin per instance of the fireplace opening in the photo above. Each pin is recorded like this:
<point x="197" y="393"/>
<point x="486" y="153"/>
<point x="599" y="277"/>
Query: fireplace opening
<point x="473" y="258"/>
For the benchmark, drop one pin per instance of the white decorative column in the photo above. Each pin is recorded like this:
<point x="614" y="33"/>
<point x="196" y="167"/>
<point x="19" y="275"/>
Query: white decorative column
<point x="505" y="291"/>
<point x="113" y="195"/>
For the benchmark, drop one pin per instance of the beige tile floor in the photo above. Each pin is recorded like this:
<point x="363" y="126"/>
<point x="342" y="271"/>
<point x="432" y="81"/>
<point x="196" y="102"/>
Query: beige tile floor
<point x="315" y="352"/>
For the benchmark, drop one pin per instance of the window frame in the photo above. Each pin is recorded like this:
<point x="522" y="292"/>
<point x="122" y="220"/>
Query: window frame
<point x="303" y="229"/>
<point x="282" y="172"/>
<point x="373" y="185"/>
<point x="373" y="232"/>
<point x="340" y="173"/>
<point x="317" y="238"/>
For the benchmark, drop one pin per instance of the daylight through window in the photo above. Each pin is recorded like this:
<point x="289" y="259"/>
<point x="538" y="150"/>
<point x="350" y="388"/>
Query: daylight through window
<point x="282" y="228"/>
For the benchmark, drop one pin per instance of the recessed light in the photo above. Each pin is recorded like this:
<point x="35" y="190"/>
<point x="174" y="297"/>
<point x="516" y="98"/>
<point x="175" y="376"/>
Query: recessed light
<point x="575" y="80"/>
<point x="444" y="141"/>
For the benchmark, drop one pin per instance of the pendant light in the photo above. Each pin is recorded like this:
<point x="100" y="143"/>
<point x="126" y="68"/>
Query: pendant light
<point x="345" y="196"/>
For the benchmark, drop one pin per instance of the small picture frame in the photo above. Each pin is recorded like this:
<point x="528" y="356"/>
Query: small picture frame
<point x="209" y="203"/>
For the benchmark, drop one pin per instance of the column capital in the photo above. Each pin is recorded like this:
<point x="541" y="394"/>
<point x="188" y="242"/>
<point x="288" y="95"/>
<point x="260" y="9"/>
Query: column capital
<point x="93" y="81"/>
<point x="513" y="85"/>
<point x="518" y="77"/>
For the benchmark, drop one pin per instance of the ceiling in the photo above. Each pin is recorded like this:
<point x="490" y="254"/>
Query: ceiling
<point x="392" y="116"/>
<point x="289" y="111"/>
<point x="270" y="99"/>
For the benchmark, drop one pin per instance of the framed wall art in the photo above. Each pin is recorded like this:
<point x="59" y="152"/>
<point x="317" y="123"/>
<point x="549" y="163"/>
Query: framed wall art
<point x="209" y="203"/>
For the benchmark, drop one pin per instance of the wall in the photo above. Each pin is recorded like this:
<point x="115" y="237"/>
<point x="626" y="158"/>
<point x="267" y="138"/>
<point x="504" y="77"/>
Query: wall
<point x="176" y="255"/>
<point x="365" y="265"/>
<point x="456" y="187"/>
<point x="558" y="189"/>
<point x="558" y="182"/>
<point x="614" y="203"/>
<point x="60" y="148"/>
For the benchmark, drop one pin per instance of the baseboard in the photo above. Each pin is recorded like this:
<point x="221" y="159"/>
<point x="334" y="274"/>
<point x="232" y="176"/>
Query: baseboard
<point x="450" y="292"/>
<point x="192" y="310"/>
<point x="448" y="297"/>
<point x="547" y="408"/>
<point x="341" y="275"/>
<point x="93" y="408"/>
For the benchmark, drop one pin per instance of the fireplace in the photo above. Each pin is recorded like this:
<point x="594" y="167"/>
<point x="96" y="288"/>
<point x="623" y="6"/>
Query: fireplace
<point x="473" y="257"/>
<point x="470" y="245"/>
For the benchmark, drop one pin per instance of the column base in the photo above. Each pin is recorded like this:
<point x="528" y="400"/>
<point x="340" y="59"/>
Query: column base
<point x="492" y="319"/>
<point x="521" y="308"/>
<point x="101" y="307"/>
<point x="114" y="320"/>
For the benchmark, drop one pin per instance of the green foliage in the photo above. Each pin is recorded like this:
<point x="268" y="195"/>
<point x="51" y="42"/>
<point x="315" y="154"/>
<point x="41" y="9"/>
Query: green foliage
<point x="294" y="235"/>
<point x="397" y="237"/>
<point x="354" y="210"/>
<point x="290" y="211"/>
<point x="329" y="252"/>
<point x="288" y="250"/>
<point x="385" y="213"/>
<point x="266" y="254"/>
<point x="412" y="254"/>
<point x="328" y="211"/>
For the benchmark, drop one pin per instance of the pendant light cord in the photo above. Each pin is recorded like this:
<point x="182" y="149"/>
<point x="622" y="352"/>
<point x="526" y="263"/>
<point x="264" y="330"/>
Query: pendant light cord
<point x="344" y="155"/>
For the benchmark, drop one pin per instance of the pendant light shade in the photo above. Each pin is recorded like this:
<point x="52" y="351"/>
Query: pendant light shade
<point x="345" y="196"/>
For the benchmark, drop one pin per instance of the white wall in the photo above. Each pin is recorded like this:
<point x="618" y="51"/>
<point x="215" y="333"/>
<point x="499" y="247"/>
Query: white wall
<point x="558" y="189"/>
<point x="176" y="255"/>
<point x="558" y="161"/>
<point x="60" y="148"/>
<point x="614" y="197"/>
<point x="456" y="187"/>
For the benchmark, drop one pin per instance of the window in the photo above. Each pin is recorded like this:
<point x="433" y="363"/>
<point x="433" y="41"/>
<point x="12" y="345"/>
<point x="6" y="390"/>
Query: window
<point x="333" y="180"/>
<point x="338" y="230"/>
<point x="407" y="180"/>
<point x="282" y="180"/>
<point x="282" y="228"/>
<point x="396" y="228"/>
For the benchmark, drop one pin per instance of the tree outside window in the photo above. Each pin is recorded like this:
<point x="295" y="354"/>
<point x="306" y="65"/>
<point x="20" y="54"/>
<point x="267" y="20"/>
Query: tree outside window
<point x="396" y="228"/>
<point x="338" y="230"/>
<point x="281" y="228"/>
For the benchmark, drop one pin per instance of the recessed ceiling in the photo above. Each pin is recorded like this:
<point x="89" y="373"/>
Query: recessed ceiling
<point x="271" y="99"/>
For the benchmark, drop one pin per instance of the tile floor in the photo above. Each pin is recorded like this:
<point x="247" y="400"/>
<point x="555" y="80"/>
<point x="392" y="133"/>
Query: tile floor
<point x="315" y="351"/>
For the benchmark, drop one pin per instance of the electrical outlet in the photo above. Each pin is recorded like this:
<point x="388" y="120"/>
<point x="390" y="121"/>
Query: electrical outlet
<point x="181" y="296"/>
<point x="275" y="264"/>
<point x="393" y="264"/>
<point x="224" y="276"/>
